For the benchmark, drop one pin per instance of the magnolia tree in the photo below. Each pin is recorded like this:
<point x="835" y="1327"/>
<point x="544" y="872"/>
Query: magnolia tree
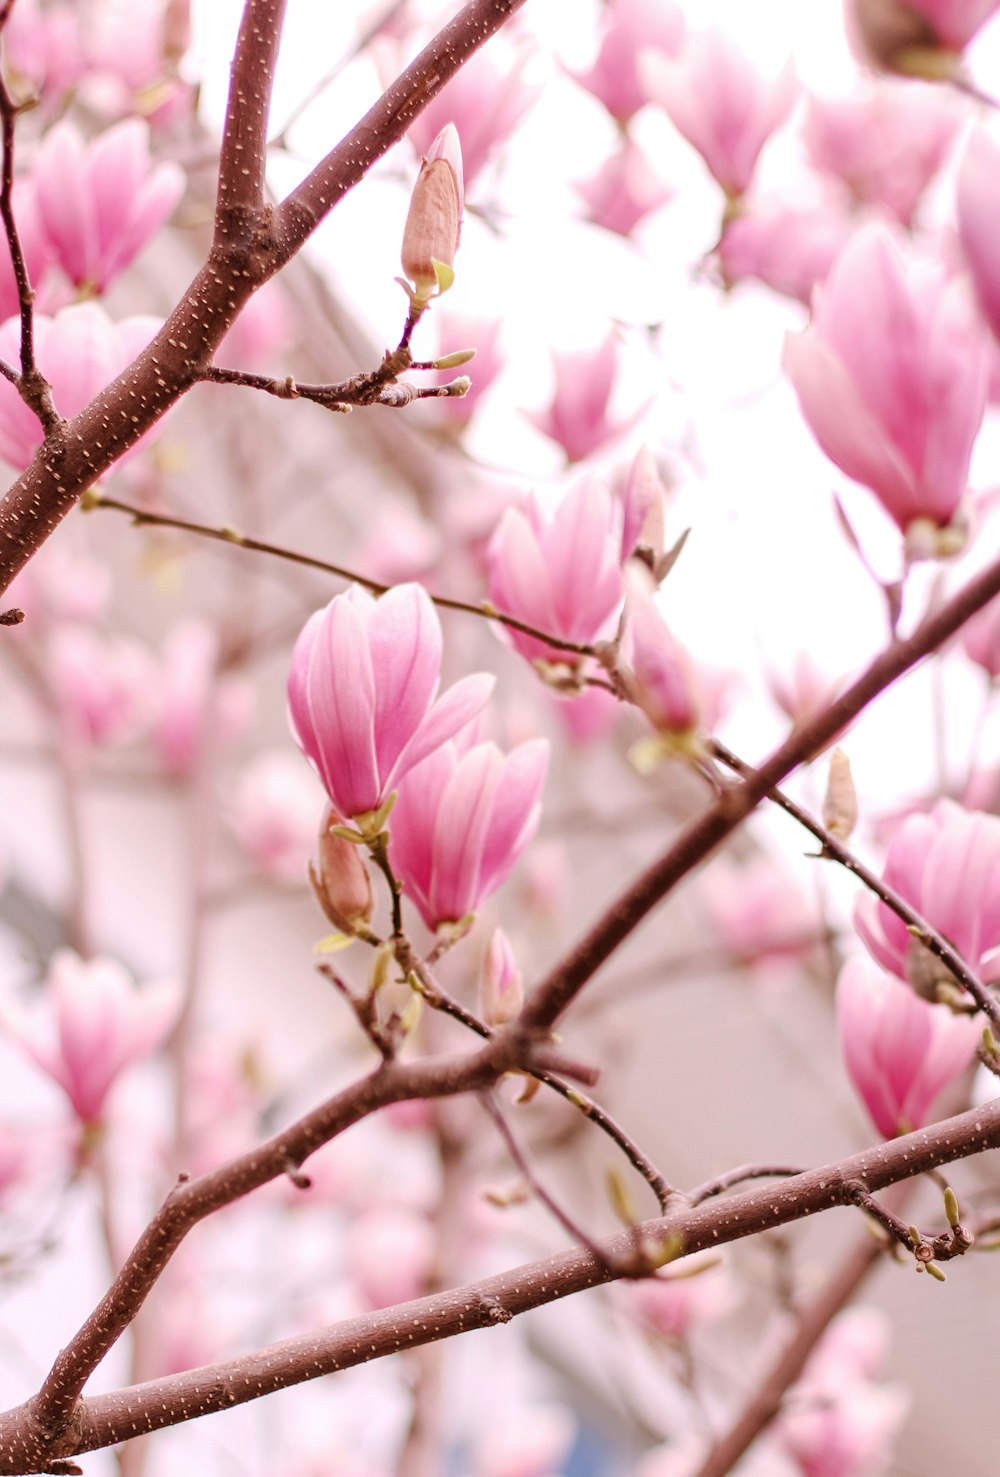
<point x="413" y="987"/>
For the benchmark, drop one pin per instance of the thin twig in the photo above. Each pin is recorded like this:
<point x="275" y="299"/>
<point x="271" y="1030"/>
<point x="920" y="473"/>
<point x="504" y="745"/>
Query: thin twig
<point x="225" y="535"/>
<point x="738" y="1176"/>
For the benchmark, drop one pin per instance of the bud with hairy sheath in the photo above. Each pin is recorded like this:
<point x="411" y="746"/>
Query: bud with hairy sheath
<point x="434" y="223"/>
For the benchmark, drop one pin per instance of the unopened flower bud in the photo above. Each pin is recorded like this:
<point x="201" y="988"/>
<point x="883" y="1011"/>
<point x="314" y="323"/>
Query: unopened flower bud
<point x="340" y="879"/>
<point x="434" y="223"/>
<point x="501" y="988"/>
<point x="840" y="803"/>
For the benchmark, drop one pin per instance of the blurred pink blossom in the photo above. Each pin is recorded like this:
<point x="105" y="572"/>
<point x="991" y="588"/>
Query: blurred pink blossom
<point x="788" y="249"/>
<point x="803" y="689"/>
<point x="485" y="101"/>
<point x="561" y="574"/>
<point x="36" y="251"/>
<point x="886" y="144"/>
<point x="483" y="335"/>
<point x="62" y="583"/>
<point x="79" y="351"/>
<point x="390" y="1254"/>
<point x="45" y="46"/>
<point x="93" y="1024"/>
<point x="100" y="201"/>
<point x="262" y="330"/>
<point x="834" y="1422"/>
<point x="631" y="27"/>
<point x="102" y="686"/>
<point x="891" y="376"/>
<point x="276" y="803"/>
<point x="361" y="694"/>
<point x="195" y="703"/>
<point x="900" y="1051"/>
<point x="946" y="865"/>
<point x="624" y="189"/>
<point x="981" y="639"/>
<point x="463" y="817"/>
<point x="530" y="1441"/>
<point x="675" y="1305"/>
<point x="644" y="497"/>
<point x="722" y="105"/>
<point x="587" y="716"/>
<point x="759" y="912"/>
<point x="979" y="221"/>
<point x="578" y="417"/>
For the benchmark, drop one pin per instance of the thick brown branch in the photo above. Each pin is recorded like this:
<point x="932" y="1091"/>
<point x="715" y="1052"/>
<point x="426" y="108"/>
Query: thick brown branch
<point x="243" y="157"/>
<point x="103" y="1420"/>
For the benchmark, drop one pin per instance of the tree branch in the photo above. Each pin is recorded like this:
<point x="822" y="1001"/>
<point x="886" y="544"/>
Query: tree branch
<point x="103" y="1420"/>
<point x="243" y="156"/>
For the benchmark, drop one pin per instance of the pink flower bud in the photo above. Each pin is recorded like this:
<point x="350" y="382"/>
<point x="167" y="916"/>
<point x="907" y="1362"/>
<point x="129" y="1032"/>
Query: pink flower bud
<point x="103" y="686"/>
<point x="197" y="705"/>
<point x="501" y="985"/>
<point x="644" y="502"/>
<point x="434" y="223"/>
<point x="101" y="201"/>
<point x="94" y="1023"/>
<point x="340" y="879"/>
<point x="661" y="677"/>
<point x="462" y="819"/>
<point x="891" y="375"/>
<point x="900" y="1052"/>
<point x="361" y="694"/>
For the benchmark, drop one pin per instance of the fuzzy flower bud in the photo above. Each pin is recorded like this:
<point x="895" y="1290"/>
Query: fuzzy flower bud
<point x="340" y="878"/>
<point x="501" y="985"/>
<point x="434" y="223"/>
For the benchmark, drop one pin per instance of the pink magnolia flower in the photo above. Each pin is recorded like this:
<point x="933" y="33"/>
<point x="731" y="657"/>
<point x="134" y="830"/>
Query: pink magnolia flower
<point x="802" y="690"/>
<point x="721" y="104"/>
<point x="94" y="1023"/>
<point x="675" y="1305"/>
<point x="577" y="416"/>
<point x="45" y="46"/>
<point x="900" y="1051"/>
<point x="885" y="145"/>
<point x="483" y="335"/>
<point x="485" y="101"/>
<point x="588" y="716"/>
<point x="100" y="201"/>
<point x="463" y="817"/>
<point x="644" y="497"/>
<point x="979" y="221"/>
<point x="275" y="805"/>
<point x="361" y="694"/>
<point x="946" y="865"/>
<point x="562" y="574"/>
<point x="103" y="687"/>
<point x="79" y="351"/>
<point x="633" y="26"/>
<point x="787" y="249"/>
<point x="623" y="190"/>
<point x="759" y="912"/>
<point x="981" y="639"/>
<point x="891" y="376"/>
